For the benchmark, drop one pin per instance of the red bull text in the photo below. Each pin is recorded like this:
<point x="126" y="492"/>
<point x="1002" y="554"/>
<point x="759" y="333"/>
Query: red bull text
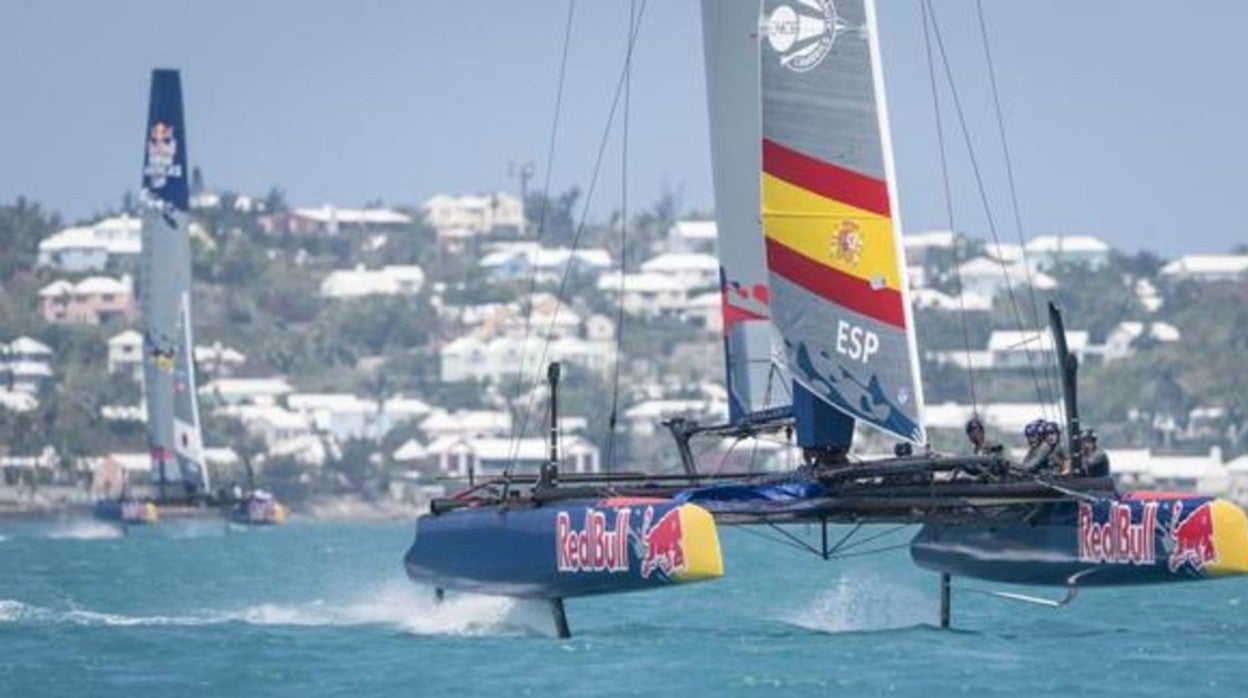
<point x="1192" y="538"/>
<point x="662" y="544"/>
<point x="1118" y="540"/>
<point x="593" y="548"/>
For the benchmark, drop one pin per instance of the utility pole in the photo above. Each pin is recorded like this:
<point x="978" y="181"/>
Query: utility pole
<point x="522" y="170"/>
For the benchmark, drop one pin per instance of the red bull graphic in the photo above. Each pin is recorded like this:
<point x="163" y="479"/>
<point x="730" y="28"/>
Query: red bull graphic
<point x="662" y="544"/>
<point x="1118" y="540"/>
<point x="595" y="548"/>
<point x="1191" y="540"/>
<point x="162" y="151"/>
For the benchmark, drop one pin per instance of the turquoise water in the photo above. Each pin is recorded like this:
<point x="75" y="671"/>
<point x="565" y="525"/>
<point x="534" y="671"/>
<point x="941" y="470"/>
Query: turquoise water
<point x="324" y="610"/>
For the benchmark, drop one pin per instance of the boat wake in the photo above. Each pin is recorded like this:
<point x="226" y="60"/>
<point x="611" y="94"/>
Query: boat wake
<point x="85" y="530"/>
<point x="407" y="609"/>
<point x="864" y="603"/>
<point x="397" y="608"/>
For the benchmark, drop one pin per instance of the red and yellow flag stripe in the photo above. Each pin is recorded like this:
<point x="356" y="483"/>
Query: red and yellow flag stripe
<point x="829" y="230"/>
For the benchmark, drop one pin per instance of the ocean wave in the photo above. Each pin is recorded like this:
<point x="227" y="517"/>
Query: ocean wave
<point x="85" y="530"/>
<point x="13" y="611"/>
<point x="409" y="609"/>
<point x="402" y="609"/>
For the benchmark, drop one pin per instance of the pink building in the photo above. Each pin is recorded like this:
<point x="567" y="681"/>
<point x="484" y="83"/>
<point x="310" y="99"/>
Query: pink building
<point x="94" y="300"/>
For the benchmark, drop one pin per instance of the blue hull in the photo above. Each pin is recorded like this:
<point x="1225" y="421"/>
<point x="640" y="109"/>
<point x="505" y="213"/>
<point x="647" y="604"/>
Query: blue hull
<point x="1139" y="540"/>
<point x="564" y="550"/>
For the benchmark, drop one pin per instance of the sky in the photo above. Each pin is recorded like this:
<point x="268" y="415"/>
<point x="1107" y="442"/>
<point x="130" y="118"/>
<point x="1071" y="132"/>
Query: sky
<point x="1125" y="118"/>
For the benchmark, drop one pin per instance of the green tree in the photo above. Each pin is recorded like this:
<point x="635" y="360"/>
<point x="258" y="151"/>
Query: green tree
<point x="22" y="225"/>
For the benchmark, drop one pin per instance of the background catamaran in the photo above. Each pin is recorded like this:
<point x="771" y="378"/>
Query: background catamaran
<point x="175" y="441"/>
<point x="818" y="336"/>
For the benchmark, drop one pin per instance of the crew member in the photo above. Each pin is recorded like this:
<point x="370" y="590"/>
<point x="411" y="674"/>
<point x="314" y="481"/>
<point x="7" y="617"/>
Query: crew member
<point x="1037" y="458"/>
<point x="980" y="445"/>
<point x="1095" y="461"/>
<point x="1059" y="458"/>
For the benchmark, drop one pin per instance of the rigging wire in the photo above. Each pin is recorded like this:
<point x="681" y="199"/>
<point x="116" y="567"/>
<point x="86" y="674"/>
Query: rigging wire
<point x="541" y="223"/>
<point x="1050" y="371"/>
<point x="580" y="228"/>
<point x="619" y="315"/>
<point x="983" y="192"/>
<point x="944" y="175"/>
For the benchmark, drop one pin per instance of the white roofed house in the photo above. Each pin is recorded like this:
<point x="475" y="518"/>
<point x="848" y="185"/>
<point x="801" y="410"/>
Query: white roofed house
<point x="989" y="278"/>
<point x="644" y="418"/>
<point x="125" y="354"/>
<point x="392" y="280"/>
<point x="245" y="391"/>
<point x="330" y="220"/>
<point x="545" y="265"/>
<point x="646" y="294"/>
<point x="1050" y="251"/>
<point x="929" y="247"/>
<point x="1012" y="349"/>
<point x="706" y="309"/>
<point x="1136" y="469"/>
<point x="691" y="235"/>
<point x="479" y="214"/>
<point x="460" y="423"/>
<point x="25" y="367"/>
<point x="695" y="270"/>
<point x="17" y="401"/>
<point x="1207" y="268"/>
<point x="216" y="360"/>
<point x="932" y="299"/>
<point x="492" y="456"/>
<point x="1006" y="252"/>
<point x="270" y="423"/>
<point x="92" y="247"/>
<point x="93" y="301"/>
<point x="472" y="358"/>
<point x="1127" y="336"/>
<point x="346" y="416"/>
<point x="462" y="359"/>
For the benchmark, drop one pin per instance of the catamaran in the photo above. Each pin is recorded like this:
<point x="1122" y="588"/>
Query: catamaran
<point x="818" y="337"/>
<point x="175" y="441"/>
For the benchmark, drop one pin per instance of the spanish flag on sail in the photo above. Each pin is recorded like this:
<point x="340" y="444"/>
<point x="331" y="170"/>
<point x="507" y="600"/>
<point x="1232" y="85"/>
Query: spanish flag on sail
<point x="833" y="243"/>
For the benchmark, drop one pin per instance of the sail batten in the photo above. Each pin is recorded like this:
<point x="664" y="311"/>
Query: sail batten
<point x="828" y="202"/>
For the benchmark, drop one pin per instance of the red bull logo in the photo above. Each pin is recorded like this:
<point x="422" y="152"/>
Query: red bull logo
<point x="162" y="150"/>
<point x="1191" y="540"/>
<point x="1119" y="540"/>
<point x="594" y="548"/>
<point x="663" y="546"/>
